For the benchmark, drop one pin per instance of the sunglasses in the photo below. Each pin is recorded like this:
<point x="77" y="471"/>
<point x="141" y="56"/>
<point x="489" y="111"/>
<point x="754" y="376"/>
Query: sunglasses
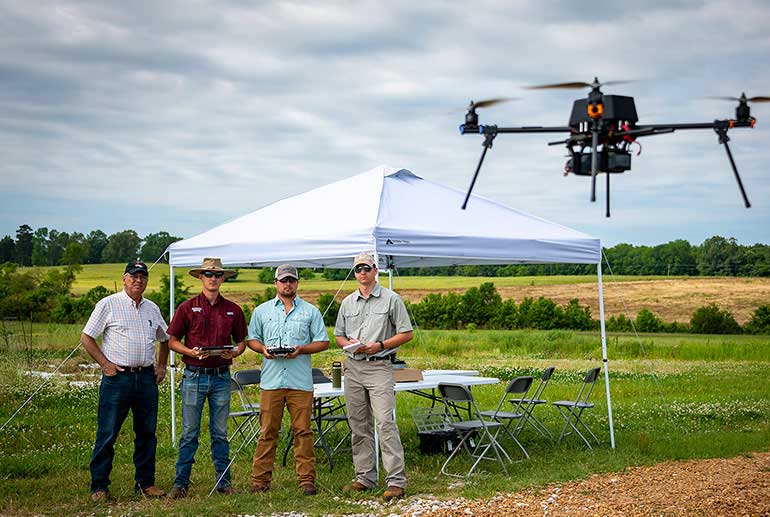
<point x="215" y="274"/>
<point x="287" y="280"/>
<point x="363" y="267"/>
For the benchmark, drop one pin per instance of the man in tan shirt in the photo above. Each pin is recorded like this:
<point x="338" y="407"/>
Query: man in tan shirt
<point x="376" y="319"/>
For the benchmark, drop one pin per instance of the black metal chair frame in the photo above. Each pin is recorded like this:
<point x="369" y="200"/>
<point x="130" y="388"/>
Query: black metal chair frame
<point x="572" y="410"/>
<point x="529" y="404"/>
<point x="453" y="393"/>
<point x="518" y="386"/>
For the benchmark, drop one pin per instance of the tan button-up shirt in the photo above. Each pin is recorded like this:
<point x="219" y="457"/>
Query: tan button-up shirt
<point x="372" y="319"/>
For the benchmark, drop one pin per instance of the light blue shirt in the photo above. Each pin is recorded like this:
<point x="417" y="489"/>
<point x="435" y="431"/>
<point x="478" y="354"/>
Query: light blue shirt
<point x="273" y="327"/>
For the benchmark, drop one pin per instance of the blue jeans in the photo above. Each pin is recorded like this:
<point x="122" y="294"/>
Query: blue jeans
<point x="196" y="388"/>
<point x="117" y="394"/>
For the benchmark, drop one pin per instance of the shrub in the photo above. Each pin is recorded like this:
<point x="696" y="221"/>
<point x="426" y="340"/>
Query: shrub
<point x="330" y="316"/>
<point x="618" y="324"/>
<point x="760" y="321"/>
<point x="266" y="275"/>
<point x="646" y="321"/>
<point x="713" y="320"/>
<point x="577" y="317"/>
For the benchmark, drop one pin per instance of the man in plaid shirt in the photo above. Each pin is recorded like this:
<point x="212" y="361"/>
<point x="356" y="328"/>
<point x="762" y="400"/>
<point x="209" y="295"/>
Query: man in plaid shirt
<point x="129" y="325"/>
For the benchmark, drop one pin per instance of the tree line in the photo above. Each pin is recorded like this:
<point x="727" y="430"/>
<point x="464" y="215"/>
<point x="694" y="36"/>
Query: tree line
<point x="716" y="256"/>
<point x="44" y="247"/>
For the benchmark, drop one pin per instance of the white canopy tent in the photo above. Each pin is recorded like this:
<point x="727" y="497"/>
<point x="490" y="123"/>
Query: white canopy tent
<point x="405" y="220"/>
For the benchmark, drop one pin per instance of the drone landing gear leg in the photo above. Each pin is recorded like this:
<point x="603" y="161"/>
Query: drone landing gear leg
<point x="721" y="131"/>
<point x="488" y="138"/>
<point x="594" y="158"/>
<point x="608" y="194"/>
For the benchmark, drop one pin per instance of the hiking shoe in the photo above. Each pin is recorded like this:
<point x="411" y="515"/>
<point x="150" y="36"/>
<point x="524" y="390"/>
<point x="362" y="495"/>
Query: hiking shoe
<point x="226" y="490"/>
<point x="393" y="492"/>
<point x="101" y="496"/>
<point x="255" y="489"/>
<point x="355" y="487"/>
<point x="309" y="489"/>
<point x="177" y="492"/>
<point x="152" y="492"/>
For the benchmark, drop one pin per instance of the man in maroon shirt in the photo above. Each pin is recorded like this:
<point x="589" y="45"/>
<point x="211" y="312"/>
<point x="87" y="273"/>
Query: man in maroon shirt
<point x="210" y="325"/>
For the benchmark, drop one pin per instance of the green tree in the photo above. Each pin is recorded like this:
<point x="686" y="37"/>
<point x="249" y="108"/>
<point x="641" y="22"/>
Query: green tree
<point x="95" y="242"/>
<point x="121" y="247"/>
<point x="75" y="253"/>
<point x="718" y="256"/>
<point x="7" y="250"/>
<point x="155" y="245"/>
<point x="24" y="245"/>
<point x="162" y="298"/>
<point x="40" y="247"/>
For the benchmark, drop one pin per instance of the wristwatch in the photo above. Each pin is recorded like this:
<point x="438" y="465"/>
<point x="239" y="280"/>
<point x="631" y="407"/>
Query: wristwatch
<point x="382" y="345"/>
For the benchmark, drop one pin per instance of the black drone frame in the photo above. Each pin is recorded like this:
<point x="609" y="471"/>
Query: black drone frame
<point x="608" y="121"/>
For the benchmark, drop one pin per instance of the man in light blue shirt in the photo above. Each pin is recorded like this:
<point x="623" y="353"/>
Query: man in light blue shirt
<point x="286" y="330"/>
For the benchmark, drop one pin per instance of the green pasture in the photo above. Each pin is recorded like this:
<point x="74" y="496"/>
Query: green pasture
<point x="685" y="397"/>
<point x="110" y="276"/>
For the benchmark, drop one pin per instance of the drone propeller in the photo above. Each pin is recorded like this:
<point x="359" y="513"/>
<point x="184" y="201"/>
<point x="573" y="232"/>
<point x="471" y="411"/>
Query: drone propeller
<point x="742" y="98"/>
<point x="576" y="85"/>
<point x="490" y="102"/>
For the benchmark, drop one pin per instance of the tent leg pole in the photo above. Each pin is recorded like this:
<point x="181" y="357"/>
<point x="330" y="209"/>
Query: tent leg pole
<point x="604" y="354"/>
<point x="171" y="358"/>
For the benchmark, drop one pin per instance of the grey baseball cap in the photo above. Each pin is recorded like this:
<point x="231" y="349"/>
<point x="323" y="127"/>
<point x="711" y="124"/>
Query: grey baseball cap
<point x="285" y="270"/>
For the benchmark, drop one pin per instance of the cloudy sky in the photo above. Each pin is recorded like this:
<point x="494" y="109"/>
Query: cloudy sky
<point x="180" y="115"/>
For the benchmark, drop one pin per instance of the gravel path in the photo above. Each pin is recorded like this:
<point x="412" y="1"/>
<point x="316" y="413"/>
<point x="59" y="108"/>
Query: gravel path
<point x="732" y="486"/>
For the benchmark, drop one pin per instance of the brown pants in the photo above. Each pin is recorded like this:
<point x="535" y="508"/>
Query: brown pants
<point x="271" y="404"/>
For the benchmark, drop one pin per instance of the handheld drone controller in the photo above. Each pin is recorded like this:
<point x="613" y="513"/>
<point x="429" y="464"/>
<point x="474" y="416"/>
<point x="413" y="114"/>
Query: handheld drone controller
<point x="281" y="350"/>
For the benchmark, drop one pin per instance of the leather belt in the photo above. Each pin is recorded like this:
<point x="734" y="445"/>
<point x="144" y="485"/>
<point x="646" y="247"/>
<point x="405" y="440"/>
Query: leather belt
<point x="371" y="358"/>
<point x="134" y="369"/>
<point x="207" y="371"/>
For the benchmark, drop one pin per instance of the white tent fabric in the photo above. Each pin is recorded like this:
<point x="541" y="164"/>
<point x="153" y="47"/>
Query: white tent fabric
<point x="393" y="213"/>
<point x="405" y="220"/>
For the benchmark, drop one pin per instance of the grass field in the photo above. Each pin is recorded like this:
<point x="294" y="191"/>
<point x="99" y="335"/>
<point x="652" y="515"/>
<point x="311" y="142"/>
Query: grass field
<point x="683" y="397"/>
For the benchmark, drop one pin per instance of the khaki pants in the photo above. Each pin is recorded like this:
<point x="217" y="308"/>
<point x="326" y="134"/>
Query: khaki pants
<point x="271" y="404"/>
<point x="369" y="392"/>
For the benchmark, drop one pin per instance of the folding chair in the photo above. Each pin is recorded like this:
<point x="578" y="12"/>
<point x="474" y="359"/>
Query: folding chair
<point x="518" y="386"/>
<point x="328" y="413"/>
<point x="528" y="405"/>
<point x="249" y="410"/>
<point x="572" y="410"/>
<point x="457" y="393"/>
<point x="248" y="413"/>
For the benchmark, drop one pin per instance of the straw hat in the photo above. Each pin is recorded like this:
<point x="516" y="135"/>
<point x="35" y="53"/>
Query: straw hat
<point x="212" y="264"/>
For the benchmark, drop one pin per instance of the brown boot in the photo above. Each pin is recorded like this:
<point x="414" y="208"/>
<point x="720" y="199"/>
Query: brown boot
<point x="255" y="489"/>
<point x="355" y="487"/>
<point x="309" y="489"/>
<point x="393" y="492"/>
<point x="152" y="492"/>
<point x="101" y="496"/>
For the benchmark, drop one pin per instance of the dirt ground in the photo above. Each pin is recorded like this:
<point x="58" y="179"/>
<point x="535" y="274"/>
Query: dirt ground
<point x="670" y="300"/>
<point x="731" y="486"/>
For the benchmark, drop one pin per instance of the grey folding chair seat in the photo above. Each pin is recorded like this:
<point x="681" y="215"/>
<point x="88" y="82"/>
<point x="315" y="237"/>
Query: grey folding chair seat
<point x="486" y="432"/>
<point x="572" y="410"/>
<point x="518" y="386"/>
<point x="528" y="405"/>
<point x="249" y="412"/>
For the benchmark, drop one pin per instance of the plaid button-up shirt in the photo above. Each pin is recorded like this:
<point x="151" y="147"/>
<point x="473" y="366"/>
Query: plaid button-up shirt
<point x="129" y="331"/>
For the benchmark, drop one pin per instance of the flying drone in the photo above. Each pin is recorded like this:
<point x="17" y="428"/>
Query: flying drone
<point x="602" y="131"/>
